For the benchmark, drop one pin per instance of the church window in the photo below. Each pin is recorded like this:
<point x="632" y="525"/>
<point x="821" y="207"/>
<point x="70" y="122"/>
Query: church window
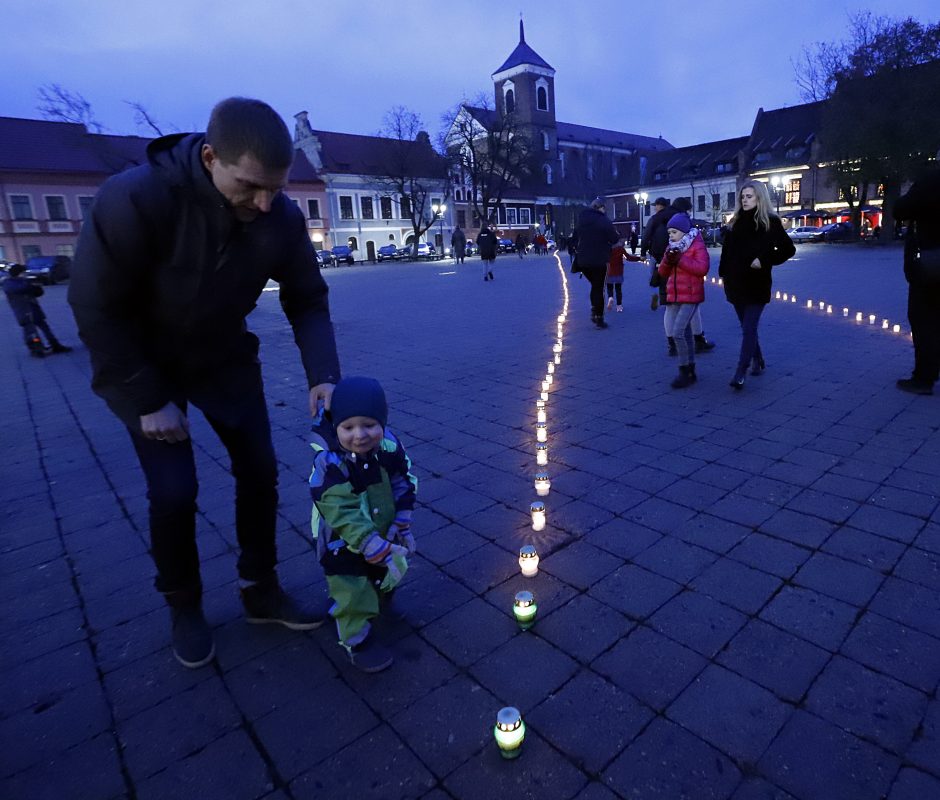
<point x="542" y="99"/>
<point x="546" y="142"/>
<point x="510" y="101"/>
<point x="547" y="171"/>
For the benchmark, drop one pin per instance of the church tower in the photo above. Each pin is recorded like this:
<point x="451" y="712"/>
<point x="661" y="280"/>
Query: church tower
<point x="525" y="86"/>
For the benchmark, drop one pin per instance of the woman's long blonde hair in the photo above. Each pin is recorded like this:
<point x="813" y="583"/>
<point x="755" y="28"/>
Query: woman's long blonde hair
<point x="763" y="213"/>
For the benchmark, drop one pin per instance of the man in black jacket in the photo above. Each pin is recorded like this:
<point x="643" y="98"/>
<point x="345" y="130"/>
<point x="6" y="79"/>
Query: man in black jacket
<point x="487" y="244"/>
<point x="590" y="244"/>
<point x="172" y="259"/>
<point x="921" y="206"/>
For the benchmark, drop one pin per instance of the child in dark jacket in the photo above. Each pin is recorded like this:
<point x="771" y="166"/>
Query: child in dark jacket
<point x="24" y="295"/>
<point x="363" y="497"/>
<point x="683" y="270"/>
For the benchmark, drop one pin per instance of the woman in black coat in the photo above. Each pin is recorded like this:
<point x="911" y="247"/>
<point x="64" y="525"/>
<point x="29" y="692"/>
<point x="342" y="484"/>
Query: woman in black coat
<point x="754" y="243"/>
<point x="590" y="248"/>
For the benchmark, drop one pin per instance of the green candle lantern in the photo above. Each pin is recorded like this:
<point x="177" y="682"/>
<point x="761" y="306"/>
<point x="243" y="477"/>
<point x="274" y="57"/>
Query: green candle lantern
<point x="509" y="732"/>
<point x="524" y="608"/>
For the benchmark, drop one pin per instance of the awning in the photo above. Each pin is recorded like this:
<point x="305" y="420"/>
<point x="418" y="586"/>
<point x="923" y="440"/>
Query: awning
<point x="804" y="213"/>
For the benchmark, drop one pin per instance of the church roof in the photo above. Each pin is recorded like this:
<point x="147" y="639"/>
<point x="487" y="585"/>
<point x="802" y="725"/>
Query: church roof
<point x="523" y="54"/>
<point x="584" y="134"/>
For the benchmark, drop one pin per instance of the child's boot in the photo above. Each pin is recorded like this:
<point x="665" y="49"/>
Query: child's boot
<point x="685" y="378"/>
<point x="370" y="656"/>
<point x="36" y="348"/>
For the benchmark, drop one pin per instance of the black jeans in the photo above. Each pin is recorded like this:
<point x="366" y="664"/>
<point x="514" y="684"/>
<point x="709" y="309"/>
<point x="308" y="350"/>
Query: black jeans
<point x="172" y="487"/>
<point x="749" y="316"/>
<point x="611" y="287"/>
<point x="923" y="312"/>
<point x="596" y="276"/>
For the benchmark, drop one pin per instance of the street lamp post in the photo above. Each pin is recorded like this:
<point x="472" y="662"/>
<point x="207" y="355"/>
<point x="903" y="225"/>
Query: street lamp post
<point x="439" y="213"/>
<point x="640" y="198"/>
<point x="777" y="182"/>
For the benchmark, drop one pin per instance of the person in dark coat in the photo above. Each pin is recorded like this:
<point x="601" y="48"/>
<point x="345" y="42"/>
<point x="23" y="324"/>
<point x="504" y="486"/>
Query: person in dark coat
<point x="23" y="296"/>
<point x="921" y="207"/>
<point x="173" y="258"/>
<point x="488" y="244"/>
<point x="653" y="243"/>
<point x="458" y="243"/>
<point x="634" y="239"/>
<point x="521" y="245"/>
<point x="754" y="244"/>
<point x="591" y="243"/>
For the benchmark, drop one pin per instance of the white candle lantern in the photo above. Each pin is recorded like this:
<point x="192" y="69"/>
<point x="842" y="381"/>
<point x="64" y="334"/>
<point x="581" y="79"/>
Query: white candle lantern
<point x="543" y="395"/>
<point x="549" y="379"/>
<point x="884" y="324"/>
<point x="896" y="329"/>
<point x="793" y="298"/>
<point x="542" y="483"/>
<point x="541" y="415"/>
<point x="524" y="609"/>
<point x="858" y="316"/>
<point x="809" y="303"/>
<point x="871" y="319"/>
<point x="845" y="312"/>
<point x="541" y="454"/>
<point x="541" y="432"/>
<point x="828" y="309"/>
<point x="540" y="403"/>
<point x="551" y="367"/>
<point x="557" y="358"/>
<point x="721" y="282"/>
<point x="556" y="348"/>
<point x="509" y="732"/>
<point x="528" y="560"/>
<point x="561" y="317"/>
<point x="560" y="330"/>
<point x="822" y="305"/>
<point x="785" y="298"/>
<point x="777" y="296"/>
<point x="538" y="515"/>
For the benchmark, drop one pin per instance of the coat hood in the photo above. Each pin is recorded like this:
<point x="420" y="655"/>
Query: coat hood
<point x="177" y="159"/>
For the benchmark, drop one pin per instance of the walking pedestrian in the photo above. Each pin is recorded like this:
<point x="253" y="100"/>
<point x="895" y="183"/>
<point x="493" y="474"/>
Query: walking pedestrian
<point x="458" y="244"/>
<point x="634" y="239"/>
<point x="488" y="244"/>
<point x="591" y="243"/>
<point x="683" y="270"/>
<point x="172" y="259"/>
<point x="754" y="244"/>
<point x="23" y="296"/>
<point x="653" y="244"/>
<point x="615" y="276"/>
<point x="521" y="245"/>
<point x="921" y="208"/>
<point x="702" y="345"/>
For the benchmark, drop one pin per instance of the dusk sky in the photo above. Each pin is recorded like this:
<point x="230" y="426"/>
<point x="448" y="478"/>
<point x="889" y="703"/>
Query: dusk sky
<point x="690" y="72"/>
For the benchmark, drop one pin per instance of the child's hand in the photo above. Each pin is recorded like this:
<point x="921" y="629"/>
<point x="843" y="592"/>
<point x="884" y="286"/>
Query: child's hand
<point x="396" y="565"/>
<point x="400" y="533"/>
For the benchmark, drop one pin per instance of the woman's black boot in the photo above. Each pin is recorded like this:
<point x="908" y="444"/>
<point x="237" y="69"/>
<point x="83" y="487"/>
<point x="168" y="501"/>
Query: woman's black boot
<point x="685" y="378"/>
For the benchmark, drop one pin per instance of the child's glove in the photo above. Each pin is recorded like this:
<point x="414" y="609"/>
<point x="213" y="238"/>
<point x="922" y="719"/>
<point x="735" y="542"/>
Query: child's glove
<point x="672" y="257"/>
<point x="396" y="567"/>
<point x="400" y="533"/>
<point x="380" y="552"/>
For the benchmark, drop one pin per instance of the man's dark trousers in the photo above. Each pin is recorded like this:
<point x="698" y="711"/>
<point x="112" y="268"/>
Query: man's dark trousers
<point x="923" y="312"/>
<point x="172" y="487"/>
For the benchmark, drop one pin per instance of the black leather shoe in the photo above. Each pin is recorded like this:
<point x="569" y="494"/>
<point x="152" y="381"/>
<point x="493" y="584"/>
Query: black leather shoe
<point x="757" y="365"/>
<point x="914" y="387"/>
<point x="737" y="382"/>
<point x="193" y="645"/>
<point x="266" y="602"/>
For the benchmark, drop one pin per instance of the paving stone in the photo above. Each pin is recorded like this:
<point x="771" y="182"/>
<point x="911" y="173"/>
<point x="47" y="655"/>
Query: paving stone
<point x="148" y="681"/>
<point x="821" y="620"/>
<point x="800" y="529"/>
<point x="864" y="548"/>
<point x="429" y="596"/>
<point x="483" y="568"/>
<point x="580" y="564"/>
<point x="613" y="497"/>
<point x="824" y="505"/>
<point x="634" y="591"/>
<point x="692" y="494"/>
<point x="914" y="785"/>
<point x="622" y="538"/>
<point x="929" y="538"/>
<point x="874" y="706"/>
<point x="470" y="632"/>
<point x="592" y="740"/>
<point x="772" y="491"/>
<point x="896" y="650"/>
<point x="449" y="543"/>
<point x="810" y="753"/>
<point x="698" y="622"/>
<point x="229" y="767"/>
<point x="758" y="789"/>
<point x="891" y="524"/>
<point x="378" y="766"/>
<point x="42" y="681"/>
<point x="837" y="578"/>
<point x="584" y="628"/>
<point x="916" y="503"/>
<point x="730" y="712"/>
<point x="674" y="559"/>
<point x="736" y="585"/>
<point x="770" y="555"/>
<point x="550" y="593"/>
<point x="844" y="486"/>
<point x="925" y="749"/>
<point x="659" y="515"/>
<point x="920" y="566"/>
<point x="650" y="667"/>
<point x="666" y="761"/>
<point x="721" y="476"/>
<point x="910" y="604"/>
<point x="711" y="533"/>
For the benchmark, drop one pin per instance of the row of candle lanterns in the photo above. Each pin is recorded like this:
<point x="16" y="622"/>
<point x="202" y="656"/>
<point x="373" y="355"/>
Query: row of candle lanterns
<point x="509" y="730"/>
<point x="826" y="307"/>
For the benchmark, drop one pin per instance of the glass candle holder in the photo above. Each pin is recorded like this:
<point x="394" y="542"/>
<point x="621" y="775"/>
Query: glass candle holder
<point x="524" y="609"/>
<point x="809" y="303"/>
<point x="858" y="316"/>
<point x="541" y="415"/>
<point x="550" y="368"/>
<point x="896" y="329"/>
<point x="785" y="297"/>
<point x="822" y="305"/>
<point x="828" y="309"/>
<point x="509" y="732"/>
<point x="541" y="431"/>
<point x="871" y="319"/>
<point x="537" y="509"/>
<point x="777" y="296"/>
<point x="541" y="454"/>
<point x="557" y="358"/>
<point x="845" y="312"/>
<point x="542" y="483"/>
<point x="539" y="404"/>
<point x="792" y="298"/>
<point x="528" y="560"/>
<point x="884" y="324"/>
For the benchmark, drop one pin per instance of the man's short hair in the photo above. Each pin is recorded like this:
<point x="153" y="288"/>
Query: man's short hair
<point x="240" y="125"/>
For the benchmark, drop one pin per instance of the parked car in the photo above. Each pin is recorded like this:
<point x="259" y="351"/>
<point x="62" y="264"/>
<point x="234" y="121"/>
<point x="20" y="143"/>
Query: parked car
<point x="344" y="253"/>
<point x="48" y="269"/>
<point x="387" y="252"/>
<point x="325" y="257"/>
<point x="472" y="249"/>
<point x="834" y="232"/>
<point x="404" y="253"/>
<point x="426" y="251"/>
<point x="804" y="233"/>
<point x="713" y="235"/>
<point x="505" y="246"/>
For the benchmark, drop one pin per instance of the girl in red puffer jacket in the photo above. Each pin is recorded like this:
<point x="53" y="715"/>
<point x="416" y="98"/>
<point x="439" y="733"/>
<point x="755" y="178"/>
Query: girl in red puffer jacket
<point x="683" y="268"/>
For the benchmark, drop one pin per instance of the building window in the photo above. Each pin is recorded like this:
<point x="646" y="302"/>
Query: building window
<point x="525" y="216"/>
<point x="716" y="201"/>
<point x="21" y="207"/>
<point x="3" y="253"/>
<point x="385" y="207"/>
<point x="547" y="172"/>
<point x="345" y="206"/>
<point x="353" y="243"/>
<point x="792" y="193"/>
<point x="732" y="200"/>
<point x="313" y="208"/>
<point x="659" y="176"/>
<point x="701" y="202"/>
<point x="84" y="205"/>
<point x="55" y="205"/>
<point x="461" y="218"/>
<point x="510" y="101"/>
<point x="405" y="207"/>
<point x="510" y="216"/>
<point x="561" y="160"/>
<point x="365" y="204"/>
<point x="546" y="142"/>
<point x="31" y="250"/>
<point x="65" y="250"/>
<point x="541" y="98"/>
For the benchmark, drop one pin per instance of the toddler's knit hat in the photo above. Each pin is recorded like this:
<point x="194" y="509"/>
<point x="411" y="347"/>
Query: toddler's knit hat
<point x="680" y="222"/>
<point x="358" y="397"/>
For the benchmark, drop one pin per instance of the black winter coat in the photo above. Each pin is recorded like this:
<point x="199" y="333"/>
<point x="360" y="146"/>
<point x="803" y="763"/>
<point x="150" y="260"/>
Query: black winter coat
<point x="164" y="277"/>
<point x="592" y="239"/>
<point x="488" y="244"/>
<point x="744" y="284"/>
<point x="22" y="294"/>
<point x="921" y="205"/>
<point x="656" y="235"/>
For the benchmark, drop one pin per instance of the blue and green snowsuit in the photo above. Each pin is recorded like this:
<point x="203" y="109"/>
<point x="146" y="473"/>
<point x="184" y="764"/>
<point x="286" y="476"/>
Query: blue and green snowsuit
<point x="353" y="497"/>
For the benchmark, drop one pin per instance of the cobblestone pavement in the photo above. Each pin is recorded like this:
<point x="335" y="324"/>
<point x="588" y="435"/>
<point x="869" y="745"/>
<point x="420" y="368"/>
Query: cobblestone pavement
<point x="738" y="592"/>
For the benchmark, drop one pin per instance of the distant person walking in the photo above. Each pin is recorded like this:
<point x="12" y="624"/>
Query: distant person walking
<point x="754" y="244"/>
<point x="921" y="208"/>
<point x="23" y="296"/>
<point x="615" y="276"/>
<point x="521" y="245"/>
<point x="653" y="243"/>
<point x="590" y="244"/>
<point x="488" y="244"/>
<point x="458" y="244"/>
<point x="634" y="239"/>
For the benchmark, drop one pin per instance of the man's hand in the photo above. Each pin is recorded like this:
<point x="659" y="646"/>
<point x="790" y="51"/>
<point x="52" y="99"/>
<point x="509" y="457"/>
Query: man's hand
<point x="169" y="425"/>
<point x="321" y="393"/>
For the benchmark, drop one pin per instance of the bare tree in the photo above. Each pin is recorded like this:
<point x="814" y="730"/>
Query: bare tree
<point x="61" y="105"/>
<point x="488" y="152"/>
<point x="412" y="170"/>
<point x="144" y="119"/>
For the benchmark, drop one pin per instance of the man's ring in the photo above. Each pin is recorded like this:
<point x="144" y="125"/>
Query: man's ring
<point x="161" y="438"/>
